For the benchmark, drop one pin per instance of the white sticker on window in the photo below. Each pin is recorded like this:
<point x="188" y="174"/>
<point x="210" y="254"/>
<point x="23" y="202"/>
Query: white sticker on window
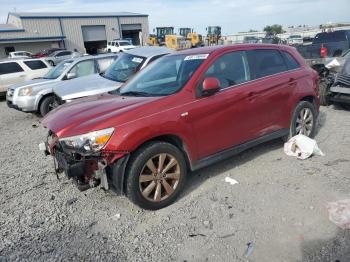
<point x="137" y="60"/>
<point x="195" y="57"/>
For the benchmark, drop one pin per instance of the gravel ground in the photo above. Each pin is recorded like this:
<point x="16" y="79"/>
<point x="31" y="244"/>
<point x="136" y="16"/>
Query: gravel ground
<point x="279" y="205"/>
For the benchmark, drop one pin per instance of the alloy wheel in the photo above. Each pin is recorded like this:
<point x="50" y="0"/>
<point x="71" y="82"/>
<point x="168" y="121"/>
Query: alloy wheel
<point x="304" y="122"/>
<point x="159" y="177"/>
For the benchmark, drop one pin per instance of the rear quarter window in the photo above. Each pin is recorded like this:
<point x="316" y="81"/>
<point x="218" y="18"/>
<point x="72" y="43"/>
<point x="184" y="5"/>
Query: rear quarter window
<point x="35" y="65"/>
<point x="265" y="62"/>
<point x="291" y="62"/>
<point x="9" y="68"/>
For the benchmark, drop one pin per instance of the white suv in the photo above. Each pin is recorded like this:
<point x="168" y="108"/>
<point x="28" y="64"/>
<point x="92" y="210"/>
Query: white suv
<point x="117" y="46"/>
<point x="16" y="71"/>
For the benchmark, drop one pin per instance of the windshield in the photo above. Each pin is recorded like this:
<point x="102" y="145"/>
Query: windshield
<point x="214" y="30"/>
<point x="125" y="66"/>
<point x="123" y="43"/>
<point x="56" y="71"/>
<point x="165" y="76"/>
<point x="295" y="36"/>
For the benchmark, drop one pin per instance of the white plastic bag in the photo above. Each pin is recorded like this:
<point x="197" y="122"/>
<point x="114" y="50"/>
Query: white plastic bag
<point x="302" y="147"/>
<point x="339" y="213"/>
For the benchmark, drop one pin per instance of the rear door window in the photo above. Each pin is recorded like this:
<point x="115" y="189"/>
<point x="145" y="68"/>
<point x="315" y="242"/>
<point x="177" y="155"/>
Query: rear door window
<point x="35" y="65"/>
<point x="104" y="63"/>
<point x="64" y="53"/>
<point x="291" y="62"/>
<point x="84" y="68"/>
<point x="9" y="68"/>
<point x="230" y="69"/>
<point x="265" y="62"/>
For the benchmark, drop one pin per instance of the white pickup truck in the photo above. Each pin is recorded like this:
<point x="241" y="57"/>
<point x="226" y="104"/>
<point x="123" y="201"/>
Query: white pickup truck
<point x="117" y="46"/>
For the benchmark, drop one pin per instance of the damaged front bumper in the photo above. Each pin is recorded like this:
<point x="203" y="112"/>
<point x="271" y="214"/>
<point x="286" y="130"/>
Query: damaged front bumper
<point x="88" y="170"/>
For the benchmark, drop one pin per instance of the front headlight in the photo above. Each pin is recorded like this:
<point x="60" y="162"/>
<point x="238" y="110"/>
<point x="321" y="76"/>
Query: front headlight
<point x="27" y="91"/>
<point x="90" y="142"/>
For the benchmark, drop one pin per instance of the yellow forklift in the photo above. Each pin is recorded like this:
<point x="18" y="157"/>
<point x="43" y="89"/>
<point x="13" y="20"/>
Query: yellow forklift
<point x="213" y="35"/>
<point x="195" y="39"/>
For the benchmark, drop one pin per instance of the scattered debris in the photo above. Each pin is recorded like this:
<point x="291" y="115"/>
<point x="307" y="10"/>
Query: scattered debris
<point x="249" y="250"/>
<point x="336" y="162"/>
<point x="231" y="180"/>
<point x="302" y="147"/>
<point x="229" y="235"/>
<point x="71" y="201"/>
<point x="34" y="126"/>
<point x="196" y="235"/>
<point x="116" y="216"/>
<point x="52" y="197"/>
<point x="339" y="213"/>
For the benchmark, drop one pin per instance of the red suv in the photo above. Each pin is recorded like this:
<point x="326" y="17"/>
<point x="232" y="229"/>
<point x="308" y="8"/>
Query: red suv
<point x="185" y="111"/>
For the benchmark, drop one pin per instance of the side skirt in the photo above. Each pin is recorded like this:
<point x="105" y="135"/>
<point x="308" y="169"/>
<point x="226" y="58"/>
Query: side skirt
<point x="209" y="160"/>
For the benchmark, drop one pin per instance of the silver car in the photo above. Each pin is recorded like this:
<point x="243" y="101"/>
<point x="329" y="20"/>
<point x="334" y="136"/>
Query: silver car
<point x="127" y="64"/>
<point x="36" y="95"/>
<point x="58" y="56"/>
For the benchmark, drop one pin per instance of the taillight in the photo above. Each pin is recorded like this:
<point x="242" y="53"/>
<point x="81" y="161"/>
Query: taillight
<point x="323" y="52"/>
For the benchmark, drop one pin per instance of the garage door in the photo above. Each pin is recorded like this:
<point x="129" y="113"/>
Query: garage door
<point x="132" y="27"/>
<point x="94" y="33"/>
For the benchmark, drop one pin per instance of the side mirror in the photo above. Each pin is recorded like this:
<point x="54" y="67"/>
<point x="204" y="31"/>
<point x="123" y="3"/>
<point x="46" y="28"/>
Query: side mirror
<point x="71" y="75"/>
<point x="210" y="86"/>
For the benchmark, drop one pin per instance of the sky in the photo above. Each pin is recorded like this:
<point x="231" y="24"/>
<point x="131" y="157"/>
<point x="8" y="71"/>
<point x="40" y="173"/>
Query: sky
<point x="232" y="15"/>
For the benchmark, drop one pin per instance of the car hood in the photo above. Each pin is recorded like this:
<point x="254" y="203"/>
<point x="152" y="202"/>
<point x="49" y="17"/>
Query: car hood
<point x="85" y="86"/>
<point x="93" y="113"/>
<point x="34" y="83"/>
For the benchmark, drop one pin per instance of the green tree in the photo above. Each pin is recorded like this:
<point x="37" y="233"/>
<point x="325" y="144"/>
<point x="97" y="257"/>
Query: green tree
<point x="272" y="30"/>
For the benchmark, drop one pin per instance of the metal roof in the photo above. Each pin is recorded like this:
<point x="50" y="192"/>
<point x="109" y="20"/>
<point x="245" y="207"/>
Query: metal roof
<point x="9" y="28"/>
<point x="73" y="15"/>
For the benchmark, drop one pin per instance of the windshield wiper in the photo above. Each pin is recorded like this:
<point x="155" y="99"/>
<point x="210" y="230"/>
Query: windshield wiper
<point x="134" y="93"/>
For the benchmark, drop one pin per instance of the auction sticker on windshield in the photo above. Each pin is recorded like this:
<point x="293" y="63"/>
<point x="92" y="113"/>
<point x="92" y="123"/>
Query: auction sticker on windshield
<point x="137" y="60"/>
<point x="195" y="57"/>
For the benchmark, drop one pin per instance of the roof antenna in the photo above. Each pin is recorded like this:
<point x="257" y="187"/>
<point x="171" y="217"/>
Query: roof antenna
<point x="15" y="9"/>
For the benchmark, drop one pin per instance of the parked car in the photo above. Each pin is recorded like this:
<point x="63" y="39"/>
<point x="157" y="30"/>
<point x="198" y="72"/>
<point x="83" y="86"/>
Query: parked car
<point x="326" y="44"/>
<point x="36" y="95"/>
<point x="47" y="52"/>
<point x="19" y="70"/>
<point x="252" y="39"/>
<point x="295" y="40"/>
<point x="59" y="56"/>
<point x="184" y="111"/>
<point x="118" y="73"/>
<point x="117" y="46"/>
<point x="20" y="54"/>
<point x="335" y="82"/>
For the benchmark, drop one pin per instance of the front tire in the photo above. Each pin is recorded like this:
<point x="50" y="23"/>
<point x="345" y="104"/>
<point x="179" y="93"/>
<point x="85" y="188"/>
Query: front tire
<point x="304" y="120"/>
<point x="155" y="175"/>
<point x="51" y="63"/>
<point x="46" y="105"/>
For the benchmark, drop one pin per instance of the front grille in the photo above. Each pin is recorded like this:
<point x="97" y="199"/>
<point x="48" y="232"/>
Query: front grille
<point x="343" y="79"/>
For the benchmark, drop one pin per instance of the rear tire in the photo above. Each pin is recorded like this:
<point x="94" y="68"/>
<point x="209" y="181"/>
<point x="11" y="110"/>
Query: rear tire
<point x="51" y="63"/>
<point x="324" y="93"/>
<point x="304" y="121"/>
<point x="46" y="105"/>
<point x="150" y="183"/>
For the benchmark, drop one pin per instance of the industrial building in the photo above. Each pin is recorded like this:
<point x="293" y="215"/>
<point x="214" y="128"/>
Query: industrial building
<point x="85" y="32"/>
